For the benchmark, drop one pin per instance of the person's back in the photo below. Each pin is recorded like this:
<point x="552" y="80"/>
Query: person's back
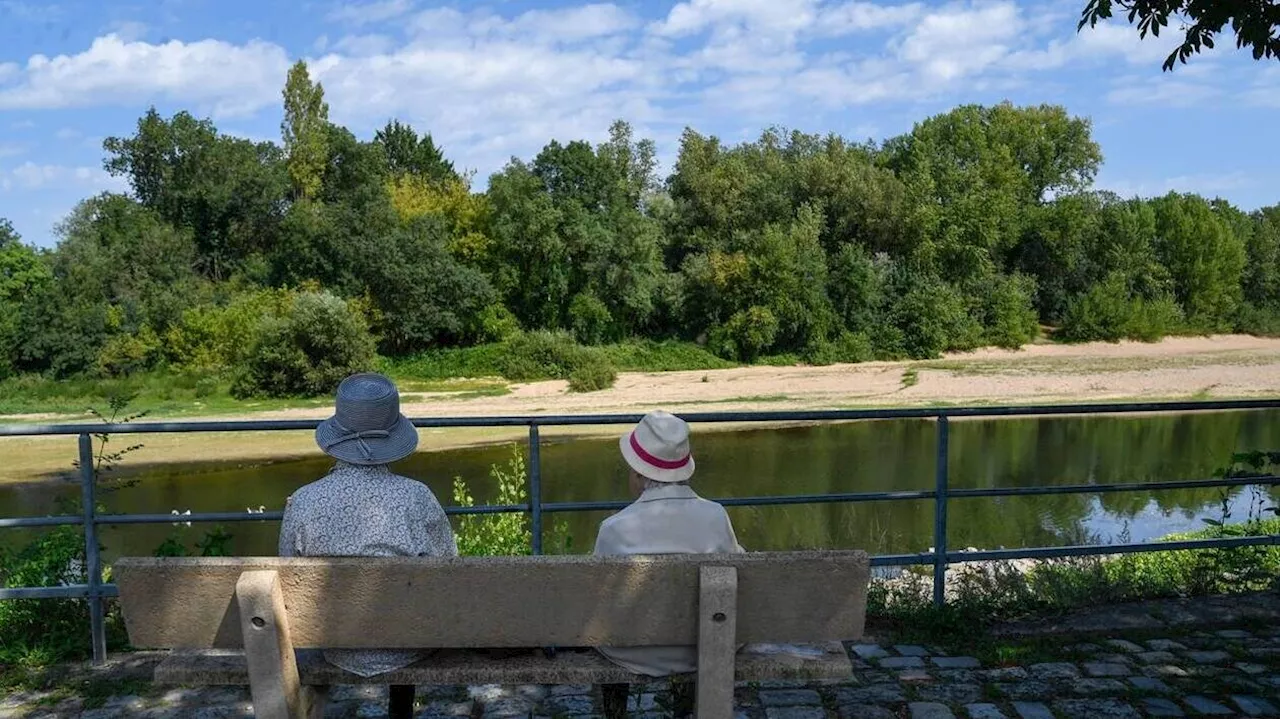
<point x="667" y="517"/>
<point x="363" y="509"/>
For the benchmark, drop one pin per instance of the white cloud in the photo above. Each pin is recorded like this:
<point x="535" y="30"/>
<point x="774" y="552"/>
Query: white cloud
<point x="128" y="29"/>
<point x="32" y="176"/>
<point x="959" y="41"/>
<point x="10" y="149"/>
<point x="1162" y="91"/>
<point x="856" y="16"/>
<point x="1207" y="184"/>
<point x="371" y="12"/>
<point x="215" y="76"/>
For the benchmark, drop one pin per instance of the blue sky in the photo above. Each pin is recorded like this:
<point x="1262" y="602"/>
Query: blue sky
<point x="493" y="80"/>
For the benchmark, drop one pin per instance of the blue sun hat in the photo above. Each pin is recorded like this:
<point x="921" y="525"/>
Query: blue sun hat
<point x="367" y="427"/>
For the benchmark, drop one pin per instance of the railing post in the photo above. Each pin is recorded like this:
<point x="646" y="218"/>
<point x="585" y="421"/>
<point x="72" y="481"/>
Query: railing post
<point x="92" y="559"/>
<point x="940" y="514"/>
<point x="535" y="487"/>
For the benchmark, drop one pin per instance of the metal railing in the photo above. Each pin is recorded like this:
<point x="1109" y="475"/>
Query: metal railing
<point x="94" y="591"/>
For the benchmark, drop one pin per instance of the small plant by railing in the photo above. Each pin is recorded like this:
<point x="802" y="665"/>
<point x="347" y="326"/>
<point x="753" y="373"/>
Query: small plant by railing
<point x="488" y="535"/>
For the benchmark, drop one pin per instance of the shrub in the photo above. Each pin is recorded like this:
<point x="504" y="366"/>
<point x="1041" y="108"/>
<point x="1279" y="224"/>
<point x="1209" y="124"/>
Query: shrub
<point x="590" y="319"/>
<point x="747" y="334"/>
<point x="933" y="318"/>
<point x="1108" y="312"/>
<point x="496" y="323"/>
<point x="508" y="533"/>
<point x="1008" y="314"/>
<point x="541" y="355"/>
<point x="846" y="348"/>
<point x="44" y="631"/>
<point x="307" y="352"/>
<point x="127" y="354"/>
<point x="593" y="374"/>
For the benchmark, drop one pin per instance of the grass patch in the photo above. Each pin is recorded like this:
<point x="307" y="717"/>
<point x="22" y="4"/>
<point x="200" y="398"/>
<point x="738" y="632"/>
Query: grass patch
<point x="910" y="377"/>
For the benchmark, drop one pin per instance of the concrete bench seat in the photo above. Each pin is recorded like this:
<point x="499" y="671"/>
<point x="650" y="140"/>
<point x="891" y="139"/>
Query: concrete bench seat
<point x="464" y="666"/>
<point x="252" y="619"/>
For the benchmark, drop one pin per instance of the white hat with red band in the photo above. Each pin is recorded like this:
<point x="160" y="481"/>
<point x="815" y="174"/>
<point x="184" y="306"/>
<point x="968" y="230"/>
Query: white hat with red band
<point x="658" y="448"/>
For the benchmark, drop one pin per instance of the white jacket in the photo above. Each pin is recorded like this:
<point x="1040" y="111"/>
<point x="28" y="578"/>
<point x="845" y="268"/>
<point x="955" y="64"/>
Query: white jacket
<point x="670" y="519"/>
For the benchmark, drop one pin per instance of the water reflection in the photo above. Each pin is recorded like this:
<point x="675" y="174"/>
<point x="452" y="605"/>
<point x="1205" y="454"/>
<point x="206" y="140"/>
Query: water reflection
<point x="849" y="457"/>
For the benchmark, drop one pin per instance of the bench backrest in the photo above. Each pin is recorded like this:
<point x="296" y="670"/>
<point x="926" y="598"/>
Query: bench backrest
<point x="473" y="602"/>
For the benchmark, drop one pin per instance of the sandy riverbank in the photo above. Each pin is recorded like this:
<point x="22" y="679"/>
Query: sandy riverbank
<point x="1178" y="368"/>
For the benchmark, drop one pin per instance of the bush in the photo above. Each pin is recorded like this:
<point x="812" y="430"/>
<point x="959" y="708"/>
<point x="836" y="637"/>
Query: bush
<point x="593" y="374"/>
<point x="1109" y="313"/>
<point x="933" y="318"/>
<point x="44" y="631"/>
<point x="508" y="533"/>
<point x="1008" y="314"/>
<point x="846" y="348"/>
<point x="496" y="323"/>
<point x="128" y="354"/>
<point x="540" y="355"/>
<point x="307" y="352"/>
<point x="747" y="334"/>
<point x="590" y="319"/>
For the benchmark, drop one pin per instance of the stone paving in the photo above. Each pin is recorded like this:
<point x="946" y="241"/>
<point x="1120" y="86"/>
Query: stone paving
<point x="1230" y="672"/>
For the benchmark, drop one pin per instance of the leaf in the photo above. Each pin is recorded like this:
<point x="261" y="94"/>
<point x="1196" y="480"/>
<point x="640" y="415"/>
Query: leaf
<point x="1211" y="522"/>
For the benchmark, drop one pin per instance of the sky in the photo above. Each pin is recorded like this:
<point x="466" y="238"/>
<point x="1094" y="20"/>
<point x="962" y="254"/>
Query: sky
<point x="493" y="80"/>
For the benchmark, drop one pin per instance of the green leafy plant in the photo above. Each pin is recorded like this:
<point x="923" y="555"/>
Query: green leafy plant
<point x="104" y="461"/>
<point x="508" y="533"/>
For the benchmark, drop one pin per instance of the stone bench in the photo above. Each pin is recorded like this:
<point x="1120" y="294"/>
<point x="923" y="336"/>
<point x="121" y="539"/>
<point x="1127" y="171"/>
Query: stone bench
<point x="252" y="620"/>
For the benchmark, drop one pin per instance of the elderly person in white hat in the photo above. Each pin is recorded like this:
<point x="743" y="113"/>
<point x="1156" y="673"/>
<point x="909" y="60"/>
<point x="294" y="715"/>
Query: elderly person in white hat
<point x="667" y="517"/>
<point x="362" y="509"/>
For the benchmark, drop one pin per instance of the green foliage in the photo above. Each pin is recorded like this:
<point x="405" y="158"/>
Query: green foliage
<point x="306" y="352"/>
<point x="23" y="275"/>
<point x="974" y="228"/>
<point x="1200" y="22"/>
<point x="304" y="130"/>
<point x="507" y="533"/>
<point x="1110" y="312"/>
<point x="39" y="630"/>
<point x="408" y="154"/>
<point x="590" y="319"/>
<point x="593" y="374"/>
<point x="747" y="334"/>
<point x="532" y="356"/>
<point x="215" y="543"/>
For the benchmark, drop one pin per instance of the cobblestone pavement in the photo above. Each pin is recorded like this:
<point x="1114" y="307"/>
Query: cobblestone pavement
<point x="1229" y="672"/>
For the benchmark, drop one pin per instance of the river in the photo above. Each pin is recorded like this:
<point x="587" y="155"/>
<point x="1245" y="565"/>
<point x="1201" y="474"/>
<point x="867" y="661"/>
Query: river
<point x="848" y="457"/>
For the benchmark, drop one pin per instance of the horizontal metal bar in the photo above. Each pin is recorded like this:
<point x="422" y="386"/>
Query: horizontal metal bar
<point x="1084" y="550"/>
<point x="757" y="501"/>
<point x="273" y="516"/>
<point x="70" y="591"/>
<point x="1123" y="487"/>
<point x="901" y="560"/>
<point x="27" y="430"/>
<point x="54" y="521"/>
<point x="764" y="501"/>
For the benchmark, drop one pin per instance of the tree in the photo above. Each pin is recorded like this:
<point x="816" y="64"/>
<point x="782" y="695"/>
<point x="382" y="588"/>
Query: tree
<point x="23" y="274"/>
<point x="407" y="154"/>
<point x="975" y="172"/>
<point x="305" y="130"/>
<point x="119" y="271"/>
<point x="1255" y="23"/>
<point x="1205" y="258"/>
<point x="229" y="192"/>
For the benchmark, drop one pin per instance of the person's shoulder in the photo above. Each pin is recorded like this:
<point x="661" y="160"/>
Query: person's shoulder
<point x="416" y="489"/>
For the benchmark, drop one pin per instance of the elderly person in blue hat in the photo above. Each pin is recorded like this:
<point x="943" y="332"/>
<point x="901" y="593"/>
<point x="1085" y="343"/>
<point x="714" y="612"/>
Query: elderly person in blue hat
<point x="363" y="509"/>
<point x="667" y="517"/>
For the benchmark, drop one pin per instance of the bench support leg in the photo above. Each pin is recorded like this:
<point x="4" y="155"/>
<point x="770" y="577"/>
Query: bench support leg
<point x="273" y="667"/>
<point x="717" y="645"/>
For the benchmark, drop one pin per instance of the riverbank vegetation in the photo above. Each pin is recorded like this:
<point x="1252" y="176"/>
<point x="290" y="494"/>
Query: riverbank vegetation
<point x="236" y="270"/>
